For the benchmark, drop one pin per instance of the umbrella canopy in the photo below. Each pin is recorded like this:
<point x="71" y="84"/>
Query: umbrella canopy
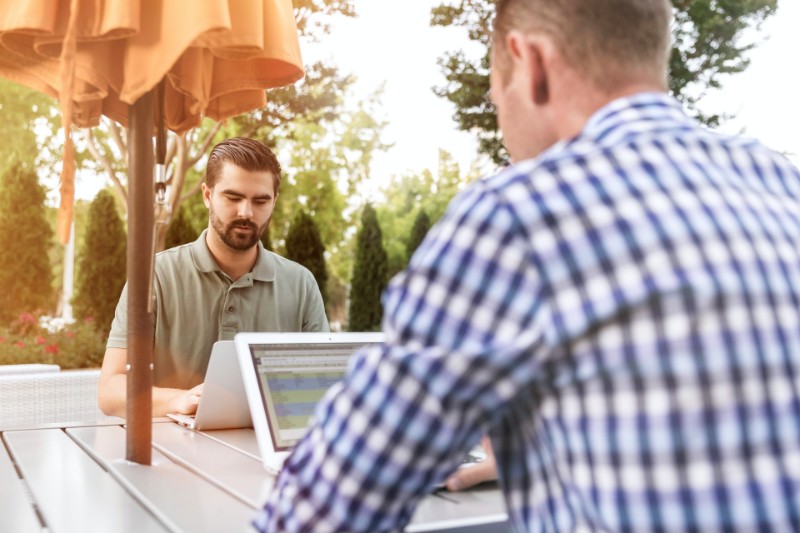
<point x="100" y="56"/>
<point x="217" y="56"/>
<point x="209" y="58"/>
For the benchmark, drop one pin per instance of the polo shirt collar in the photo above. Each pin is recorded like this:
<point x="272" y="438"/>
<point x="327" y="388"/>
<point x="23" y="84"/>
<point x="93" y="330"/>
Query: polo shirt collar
<point x="263" y="270"/>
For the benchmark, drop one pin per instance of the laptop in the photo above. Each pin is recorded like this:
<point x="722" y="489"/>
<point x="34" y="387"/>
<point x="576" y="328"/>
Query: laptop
<point x="285" y="375"/>
<point x="223" y="404"/>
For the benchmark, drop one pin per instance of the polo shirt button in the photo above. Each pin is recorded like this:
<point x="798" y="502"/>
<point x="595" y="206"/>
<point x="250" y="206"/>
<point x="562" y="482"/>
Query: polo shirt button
<point x="230" y="309"/>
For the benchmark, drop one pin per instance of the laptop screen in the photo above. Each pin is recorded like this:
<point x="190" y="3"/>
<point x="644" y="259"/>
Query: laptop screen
<point x="293" y="378"/>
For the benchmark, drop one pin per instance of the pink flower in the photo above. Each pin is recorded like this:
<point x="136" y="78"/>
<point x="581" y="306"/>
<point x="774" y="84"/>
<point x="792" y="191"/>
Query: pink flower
<point x="20" y="344"/>
<point x="40" y="340"/>
<point x="69" y="334"/>
<point x="89" y="319"/>
<point x="51" y="348"/>
<point x="2" y="340"/>
<point x="27" y="318"/>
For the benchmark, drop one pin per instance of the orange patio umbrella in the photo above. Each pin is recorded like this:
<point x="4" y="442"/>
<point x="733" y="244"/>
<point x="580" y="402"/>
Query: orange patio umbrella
<point x="131" y="60"/>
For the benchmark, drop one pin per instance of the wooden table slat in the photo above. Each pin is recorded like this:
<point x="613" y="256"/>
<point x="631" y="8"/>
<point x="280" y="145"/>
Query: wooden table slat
<point x="72" y="491"/>
<point x="179" y="497"/>
<point x="236" y="472"/>
<point x="242" y="440"/>
<point x="16" y="512"/>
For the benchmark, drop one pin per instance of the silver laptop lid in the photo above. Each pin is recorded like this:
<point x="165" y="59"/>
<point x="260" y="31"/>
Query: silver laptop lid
<point x="223" y="404"/>
<point x="293" y="372"/>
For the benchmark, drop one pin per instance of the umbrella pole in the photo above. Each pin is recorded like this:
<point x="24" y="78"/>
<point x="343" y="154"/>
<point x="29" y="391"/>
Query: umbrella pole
<point x="140" y="251"/>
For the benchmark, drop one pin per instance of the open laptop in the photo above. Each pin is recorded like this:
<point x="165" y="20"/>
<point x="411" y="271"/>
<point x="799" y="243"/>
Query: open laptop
<point x="285" y="375"/>
<point x="223" y="404"/>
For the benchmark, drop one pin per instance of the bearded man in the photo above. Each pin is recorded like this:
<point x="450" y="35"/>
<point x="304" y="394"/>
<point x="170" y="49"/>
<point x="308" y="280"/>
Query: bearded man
<point x="222" y="283"/>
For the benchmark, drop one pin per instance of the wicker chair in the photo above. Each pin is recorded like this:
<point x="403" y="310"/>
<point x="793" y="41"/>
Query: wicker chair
<point x="28" y="369"/>
<point x="34" y="399"/>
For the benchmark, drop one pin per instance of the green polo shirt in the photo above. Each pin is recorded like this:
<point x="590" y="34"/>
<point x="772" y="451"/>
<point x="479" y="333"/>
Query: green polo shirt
<point x="198" y="304"/>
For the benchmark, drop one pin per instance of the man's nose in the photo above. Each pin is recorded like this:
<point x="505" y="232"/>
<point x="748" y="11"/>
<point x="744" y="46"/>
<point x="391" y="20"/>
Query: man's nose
<point x="245" y="209"/>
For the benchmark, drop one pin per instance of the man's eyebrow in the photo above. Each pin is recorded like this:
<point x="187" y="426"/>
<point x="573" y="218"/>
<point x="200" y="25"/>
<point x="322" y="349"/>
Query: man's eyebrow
<point x="237" y="194"/>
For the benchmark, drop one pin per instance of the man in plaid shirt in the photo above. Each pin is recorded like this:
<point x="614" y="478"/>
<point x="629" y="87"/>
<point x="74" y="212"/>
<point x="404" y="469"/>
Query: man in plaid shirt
<point x="619" y="310"/>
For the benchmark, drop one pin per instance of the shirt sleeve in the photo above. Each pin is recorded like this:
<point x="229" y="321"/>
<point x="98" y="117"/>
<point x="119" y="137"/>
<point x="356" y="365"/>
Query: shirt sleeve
<point x="315" y="318"/>
<point x="460" y="342"/>
<point x="118" y="336"/>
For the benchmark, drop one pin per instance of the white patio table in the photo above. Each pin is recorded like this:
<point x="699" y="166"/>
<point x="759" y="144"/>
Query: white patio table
<point x="68" y="478"/>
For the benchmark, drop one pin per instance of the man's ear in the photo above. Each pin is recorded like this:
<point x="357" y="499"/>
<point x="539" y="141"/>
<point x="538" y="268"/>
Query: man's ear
<point x="206" y="194"/>
<point x="529" y="54"/>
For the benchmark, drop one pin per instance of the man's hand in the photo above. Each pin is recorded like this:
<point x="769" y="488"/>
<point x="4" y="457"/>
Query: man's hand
<point x="186" y="401"/>
<point x="486" y="470"/>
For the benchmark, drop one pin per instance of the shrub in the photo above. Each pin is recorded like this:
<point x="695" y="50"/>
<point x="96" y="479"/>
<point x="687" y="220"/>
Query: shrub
<point x="180" y="229"/>
<point x="76" y="345"/>
<point x="25" y="235"/>
<point x="102" y="263"/>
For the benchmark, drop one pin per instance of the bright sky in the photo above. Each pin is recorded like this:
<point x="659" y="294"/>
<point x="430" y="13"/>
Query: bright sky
<point x="392" y="41"/>
<point x="766" y="97"/>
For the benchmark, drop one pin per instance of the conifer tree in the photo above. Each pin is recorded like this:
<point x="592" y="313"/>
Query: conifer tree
<point x="421" y="226"/>
<point x="369" y="275"/>
<point x="25" y="274"/>
<point x="304" y="245"/>
<point x="180" y="230"/>
<point x="101" y="263"/>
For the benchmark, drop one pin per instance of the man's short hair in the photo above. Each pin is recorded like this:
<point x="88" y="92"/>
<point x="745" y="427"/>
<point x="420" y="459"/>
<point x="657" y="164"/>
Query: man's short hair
<point x="244" y="153"/>
<point x="608" y="41"/>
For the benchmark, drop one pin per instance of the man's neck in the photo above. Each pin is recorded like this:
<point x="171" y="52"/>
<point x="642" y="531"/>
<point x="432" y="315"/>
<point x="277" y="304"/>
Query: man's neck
<point x="234" y="263"/>
<point x="577" y="111"/>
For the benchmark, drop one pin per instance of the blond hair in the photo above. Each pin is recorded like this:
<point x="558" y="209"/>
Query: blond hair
<point x="608" y="41"/>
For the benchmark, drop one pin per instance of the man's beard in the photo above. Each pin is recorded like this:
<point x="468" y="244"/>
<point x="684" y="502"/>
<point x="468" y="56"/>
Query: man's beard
<point x="235" y="240"/>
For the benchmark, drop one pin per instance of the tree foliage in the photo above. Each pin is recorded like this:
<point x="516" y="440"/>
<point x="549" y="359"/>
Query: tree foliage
<point x="708" y="43"/>
<point x="369" y="275"/>
<point x="418" y="231"/>
<point x="304" y="245"/>
<point x="266" y="240"/>
<point x="324" y="164"/>
<point x="409" y="195"/>
<point x="101" y="263"/>
<point x="23" y="110"/>
<point x="180" y="229"/>
<point x="25" y="236"/>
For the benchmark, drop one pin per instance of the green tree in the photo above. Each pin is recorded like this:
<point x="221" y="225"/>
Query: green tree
<point x="180" y="229"/>
<point x="101" y="263"/>
<point x="266" y="239"/>
<point x="406" y="196"/>
<point x="25" y="237"/>
<point x="325" y="164"/>
<point x="304" y="245"/>
<point x="421" y="226"/>
<point x="707" y="37"/>
<point x="23" y="111"/>
<point x="369" y="275"/>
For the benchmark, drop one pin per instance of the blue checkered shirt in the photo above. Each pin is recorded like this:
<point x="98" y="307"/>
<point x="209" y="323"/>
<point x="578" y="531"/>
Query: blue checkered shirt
<point x="621" y="314"/>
